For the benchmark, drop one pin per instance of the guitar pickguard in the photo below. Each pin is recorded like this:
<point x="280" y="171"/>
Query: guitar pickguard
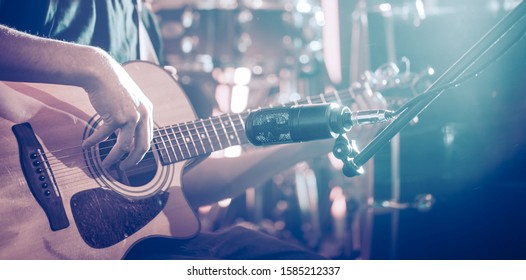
<point x="105" y="218"/>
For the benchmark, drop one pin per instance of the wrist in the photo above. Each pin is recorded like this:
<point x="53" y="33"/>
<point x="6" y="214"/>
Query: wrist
<point x="95" y="69"/>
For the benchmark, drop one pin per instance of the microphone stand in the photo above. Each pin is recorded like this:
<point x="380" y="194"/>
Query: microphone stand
<point x="503" y="35"/>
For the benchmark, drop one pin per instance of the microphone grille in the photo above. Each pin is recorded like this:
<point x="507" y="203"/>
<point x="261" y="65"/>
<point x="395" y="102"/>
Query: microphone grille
<point x="269" y="126"/>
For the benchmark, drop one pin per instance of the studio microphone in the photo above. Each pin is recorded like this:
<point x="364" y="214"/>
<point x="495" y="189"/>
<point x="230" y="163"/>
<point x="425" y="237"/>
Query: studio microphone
<point x="302" y="123"/>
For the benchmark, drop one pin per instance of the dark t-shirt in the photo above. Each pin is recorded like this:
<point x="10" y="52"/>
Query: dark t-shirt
<point x="108" y="24"/>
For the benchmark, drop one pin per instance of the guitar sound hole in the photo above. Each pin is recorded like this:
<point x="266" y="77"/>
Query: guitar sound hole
<point x="138" y="175"/>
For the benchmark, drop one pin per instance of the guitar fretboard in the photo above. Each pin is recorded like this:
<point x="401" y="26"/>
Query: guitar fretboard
<point x="188" y="140"/>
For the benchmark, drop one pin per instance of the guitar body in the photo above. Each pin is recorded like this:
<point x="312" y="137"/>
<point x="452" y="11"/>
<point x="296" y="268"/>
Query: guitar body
<point x="56" y="202"/>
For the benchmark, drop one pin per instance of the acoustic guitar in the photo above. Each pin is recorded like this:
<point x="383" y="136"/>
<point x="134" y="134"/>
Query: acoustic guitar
<point x="56" y="200"/>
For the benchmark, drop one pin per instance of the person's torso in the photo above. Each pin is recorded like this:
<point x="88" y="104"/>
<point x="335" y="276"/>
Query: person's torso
<point x="108" y="24"/>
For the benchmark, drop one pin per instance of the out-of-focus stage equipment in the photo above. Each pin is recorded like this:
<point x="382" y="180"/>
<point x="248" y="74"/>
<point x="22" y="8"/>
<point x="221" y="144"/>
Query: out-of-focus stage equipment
<point x="287" y="125"/>
<point x="237" y="52"/>
<point x="207" y="41"/>
<point x="488" y="49"/>
<point x="205" y="35"/>
<point x="497" y="41"/>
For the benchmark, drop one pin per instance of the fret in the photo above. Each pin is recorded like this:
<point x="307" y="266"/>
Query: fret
<point x="314" y="100"/>
<point x="331" y="98"/>
<point x="227" y="134"/>
<point x="176" y="147"/>
<point x="161" y="146"/>
<point x="338" y="97"/>
<point x="322" y="97"/>
<point x="351" y="95"/>
<point x="303" y="102"/>
<point x="222" y="132"/>
<point x="227" y="126"/>
<point x="241" y="129"/>
<point x="200" y="140"/>
<point x="189" y="141"/>
<point x="169" y="148"/>
<point x="234" y="128"/>
<point x="182" y="144"/>
<point x="215" y="131"/>
<point x="173" y="146"/>
<point x="208" y="147"/>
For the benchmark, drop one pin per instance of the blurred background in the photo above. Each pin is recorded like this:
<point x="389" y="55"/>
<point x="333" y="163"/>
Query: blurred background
<point x="451" y="185"/>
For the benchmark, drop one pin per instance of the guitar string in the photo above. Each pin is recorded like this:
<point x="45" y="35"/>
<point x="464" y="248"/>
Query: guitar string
<point x="202" y="146"/>
<point x="56" y="161"/>
<point x="317" y="99"/>
<point x="192" y="131"/>
<point x="81" y="171"/>
<point x="91" y="157"/>
<point x="181" y="138"/>
<point x="69" y="178"/>
<point x="184" y="157"/>
<point x="173" y="133"/>
<point x="164" y="139"/>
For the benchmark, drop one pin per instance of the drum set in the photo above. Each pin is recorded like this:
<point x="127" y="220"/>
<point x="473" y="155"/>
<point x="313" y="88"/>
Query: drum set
<point x="238" y="53"/>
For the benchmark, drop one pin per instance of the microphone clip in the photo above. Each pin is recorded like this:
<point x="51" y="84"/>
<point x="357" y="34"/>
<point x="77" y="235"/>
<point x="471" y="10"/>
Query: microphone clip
<point x="345" y="150"/>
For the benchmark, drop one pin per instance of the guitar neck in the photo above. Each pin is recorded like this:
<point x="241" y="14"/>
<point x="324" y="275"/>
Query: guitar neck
<point x="188" y="140"/>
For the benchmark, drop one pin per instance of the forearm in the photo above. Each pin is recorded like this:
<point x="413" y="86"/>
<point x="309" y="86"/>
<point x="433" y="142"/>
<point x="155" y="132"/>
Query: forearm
<point x="112" y="91"/>
<point x="30" y="58"/>
<point x="216" y="179"/>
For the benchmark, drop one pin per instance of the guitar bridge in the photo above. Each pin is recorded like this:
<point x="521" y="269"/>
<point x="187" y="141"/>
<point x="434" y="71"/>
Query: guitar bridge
<point x="39" y="176"/>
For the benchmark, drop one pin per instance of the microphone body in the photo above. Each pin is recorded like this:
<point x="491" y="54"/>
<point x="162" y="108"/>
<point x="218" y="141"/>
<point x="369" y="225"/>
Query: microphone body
<point x="282" y="125"/>
<point x="297" y="124"/>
